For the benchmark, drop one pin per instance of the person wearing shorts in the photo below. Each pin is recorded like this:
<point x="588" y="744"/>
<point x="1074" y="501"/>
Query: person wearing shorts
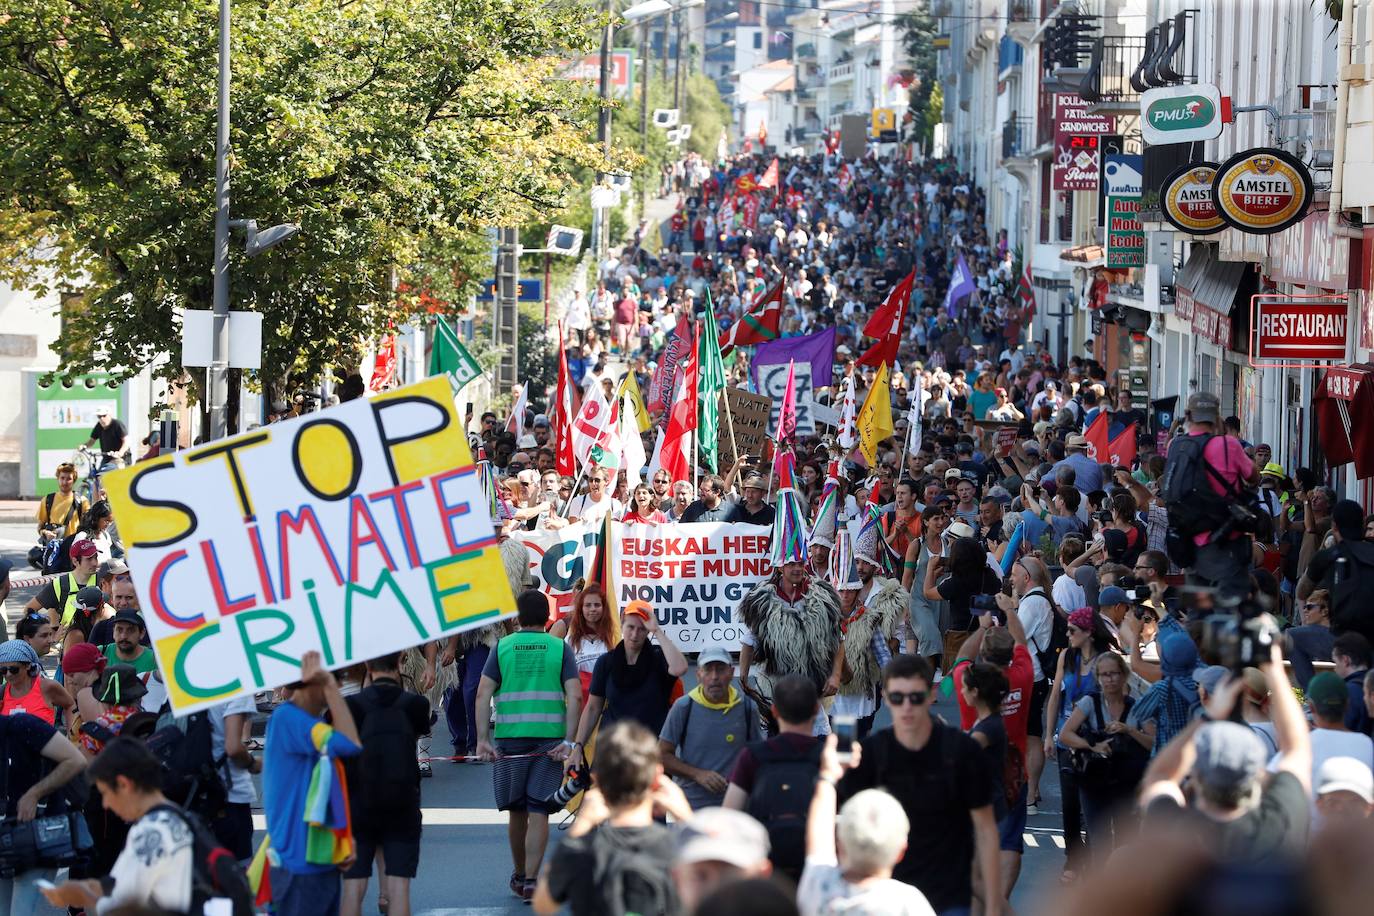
<point x="531" y="681"/>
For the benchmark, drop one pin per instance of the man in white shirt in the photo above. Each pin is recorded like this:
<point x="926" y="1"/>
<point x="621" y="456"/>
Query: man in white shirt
<point x="593" y="505"/>
<point x="1327" y="699"/>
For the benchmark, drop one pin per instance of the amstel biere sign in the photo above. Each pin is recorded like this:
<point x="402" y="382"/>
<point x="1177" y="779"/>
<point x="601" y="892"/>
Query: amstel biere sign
<point x="1262" y="191"/>
<point x="1186" y="199"/>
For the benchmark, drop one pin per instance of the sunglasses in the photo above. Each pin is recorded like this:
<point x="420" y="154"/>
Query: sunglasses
<point x="9" y="670"/>
<point x="1311" y="604"/>
<point x="915" y="697"/>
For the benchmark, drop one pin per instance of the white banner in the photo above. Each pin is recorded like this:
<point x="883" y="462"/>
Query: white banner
<point x="694" y="575"/>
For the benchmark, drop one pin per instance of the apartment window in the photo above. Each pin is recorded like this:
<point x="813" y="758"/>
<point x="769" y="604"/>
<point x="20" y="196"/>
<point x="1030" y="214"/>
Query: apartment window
<point x="724" y="37"/>
<point x="758" y="40"/>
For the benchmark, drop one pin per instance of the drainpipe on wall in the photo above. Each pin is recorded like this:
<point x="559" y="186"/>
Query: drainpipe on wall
<point x="1344" y="47"/>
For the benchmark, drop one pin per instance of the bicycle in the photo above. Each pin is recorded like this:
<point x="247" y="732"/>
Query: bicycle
<point x="90" y="464"/>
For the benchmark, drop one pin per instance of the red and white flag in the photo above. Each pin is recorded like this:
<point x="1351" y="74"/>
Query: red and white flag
<point x="594" y="428"/>
<point x="770" y="175"/>
<point x="1027" y="293"/>
<point x="759" y="325"/>
<point x="1121" y="450"/>
<point x="886" y="324"/>
<point x="565" y="462"/>
<point x="673" y="451"/>
<point x="1096" y="434"/>
<point x="845" y="178"/>
<point x="848" y="435"/>
<point x="787" y="414"/>
<point x="384" y="366"/>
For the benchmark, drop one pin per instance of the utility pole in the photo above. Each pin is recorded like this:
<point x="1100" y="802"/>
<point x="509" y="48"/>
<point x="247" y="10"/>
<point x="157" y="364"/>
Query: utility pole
<point x="644" y="114"/>
<point x="507" y="317"/>
<point x="677" y="61"/>
<point x="218" y="374"/>
<point x="600" y="221"/>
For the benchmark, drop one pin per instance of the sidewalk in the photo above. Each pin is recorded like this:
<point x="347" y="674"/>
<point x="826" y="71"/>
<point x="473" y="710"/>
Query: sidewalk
<point x="18" y="510"/>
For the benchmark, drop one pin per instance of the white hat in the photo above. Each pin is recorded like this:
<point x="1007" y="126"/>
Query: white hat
<point x="959" y="529"/>
<point x="1346" y="774"/>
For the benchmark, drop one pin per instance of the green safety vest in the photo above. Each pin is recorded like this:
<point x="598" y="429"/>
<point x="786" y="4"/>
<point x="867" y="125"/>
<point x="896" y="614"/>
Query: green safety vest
<point x="71" y="585"/>
<point x="530" y="702"/>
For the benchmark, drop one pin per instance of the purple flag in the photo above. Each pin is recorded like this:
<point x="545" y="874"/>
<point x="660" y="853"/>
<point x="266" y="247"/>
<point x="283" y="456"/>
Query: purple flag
<point x="816" y="350"/>
<point x="961" y="285"/>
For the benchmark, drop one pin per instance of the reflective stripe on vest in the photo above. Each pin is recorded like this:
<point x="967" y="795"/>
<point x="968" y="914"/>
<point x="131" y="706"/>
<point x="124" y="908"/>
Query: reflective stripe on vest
<point x="530" y="702"/>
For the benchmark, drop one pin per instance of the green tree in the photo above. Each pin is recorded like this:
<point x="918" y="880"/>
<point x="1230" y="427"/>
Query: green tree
<point x="919" y="37"/>
<point x="392" y="131"/>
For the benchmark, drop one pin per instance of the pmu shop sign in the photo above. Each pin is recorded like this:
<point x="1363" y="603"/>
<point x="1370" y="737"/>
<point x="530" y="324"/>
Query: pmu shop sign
<point x="1186" y="199"/>
<point x="1180" y="114"/>
<point x="1299" y="330"/>
<point x="1262" y="191"/>
<point x="1122" y="175"/>
<point x="1075" y="164"/>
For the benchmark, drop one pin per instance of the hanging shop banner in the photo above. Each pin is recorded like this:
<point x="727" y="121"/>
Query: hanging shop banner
<point x="1122" y="177"/>
<point x="1180" y="114"/>
<point x="693" y="574"/>
<point x="1297" y="330"/>
<point x="1187" y="202"/>
<point x="1075" y="159"/>
<point x="1262" y="191"/>
<point x="355" y="531"/>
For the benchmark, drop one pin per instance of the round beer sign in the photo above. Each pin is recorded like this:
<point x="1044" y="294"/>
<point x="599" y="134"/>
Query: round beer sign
<point x="1262" y="191"/>
<point x="1186" y="199"/>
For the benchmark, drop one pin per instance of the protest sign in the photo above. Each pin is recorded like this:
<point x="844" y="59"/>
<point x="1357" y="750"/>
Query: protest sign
<point x="749" y="414"/>
<point x="1006" y="440"/>
<point x="694" y="575"/>
<point x="355" y="531"/>
<point x="773" y="382"/>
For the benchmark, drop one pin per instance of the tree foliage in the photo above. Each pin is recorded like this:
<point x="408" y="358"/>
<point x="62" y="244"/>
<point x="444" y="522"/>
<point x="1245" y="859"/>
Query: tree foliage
<point x="919" y="37"/>
<point x="392" y="131"/>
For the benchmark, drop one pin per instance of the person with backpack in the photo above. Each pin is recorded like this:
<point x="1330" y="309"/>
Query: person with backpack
<point x="773" y="779"/>
<point x="1208" y="484"/>
<point x="58" y="597"/>
<point x="169" y="862"/>
<point x="1345" y="570"/>
<point x="235" y="766"/>
<point x="937" y="770"/>
<point x="384" y="787"/>
<point x="617" y="858"/>
<point x="59" y="515"/>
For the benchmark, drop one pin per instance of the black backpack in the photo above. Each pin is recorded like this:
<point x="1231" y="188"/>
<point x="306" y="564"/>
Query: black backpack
<point x="191" y="775"/>
<point x="215" y="873"/>
<point x="386" y="766"/>
<point x="1349" y="579"/>
<point x="620" y="872"/>
<point x="1048" y="655"/>
<point x="783" y="785"/>
<point x="1194" y="505"/>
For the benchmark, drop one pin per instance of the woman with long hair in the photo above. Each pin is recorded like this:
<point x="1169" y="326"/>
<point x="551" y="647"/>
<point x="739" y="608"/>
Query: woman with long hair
<point x="956" y="577"/>
<point x="643" y="508"/>
<point x="589" y="630"/>
<point x="97" y="526"/>
<point x="1074" y="678"/>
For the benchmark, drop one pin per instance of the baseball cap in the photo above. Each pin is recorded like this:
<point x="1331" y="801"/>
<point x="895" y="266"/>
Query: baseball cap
<point x="1327" y="694"/>
<point x="113" y="568"/>
<point x="90" y="598"/>
<point x="540" y="420"/>
<point x="714" y="654"/>
<point x="637" y="608"/>
<point x="1228" y="755"/>
<point x="102" y="411"/>
<point x="953" y="473"/>
<point x="83" y="548"/>
<point x="83" y="656"/>
<point x="1346" y="774"/>
<point x="129" y="615"/>
<point x="722" y="835"/>
<point x="1112" y="594"/>
<point x="1204" y="407"/>
<point x="1211" y="677"/>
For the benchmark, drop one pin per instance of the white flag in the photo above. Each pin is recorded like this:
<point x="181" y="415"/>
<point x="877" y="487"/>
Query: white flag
<point x="913" y="429"/>
<point x="631" y="445"/>
<point x="848" y="436"/>
<point x="594" y="426"/>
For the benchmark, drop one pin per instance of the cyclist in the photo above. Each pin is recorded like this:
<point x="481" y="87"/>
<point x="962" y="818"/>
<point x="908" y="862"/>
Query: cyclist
<point x="113" y="438"/>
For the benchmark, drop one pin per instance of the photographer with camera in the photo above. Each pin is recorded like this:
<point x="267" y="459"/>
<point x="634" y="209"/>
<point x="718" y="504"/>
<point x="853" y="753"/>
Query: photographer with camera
<point x="1244" y="815"/>
<point x="1208" y="488"/>
<point x="616" y="858"/>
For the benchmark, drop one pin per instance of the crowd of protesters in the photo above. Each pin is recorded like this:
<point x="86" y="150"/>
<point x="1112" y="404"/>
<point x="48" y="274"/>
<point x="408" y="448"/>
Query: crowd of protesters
<point x="1079" y="626"/>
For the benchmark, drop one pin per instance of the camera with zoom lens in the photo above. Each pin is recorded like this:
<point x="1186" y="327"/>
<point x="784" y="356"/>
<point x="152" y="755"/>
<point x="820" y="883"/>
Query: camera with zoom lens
<point x="579" y="780"/>
<point x="1238" y="640"/>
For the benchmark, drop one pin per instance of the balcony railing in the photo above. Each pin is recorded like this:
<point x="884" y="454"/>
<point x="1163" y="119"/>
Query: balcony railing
<point x="1018" y="138"/>
<point x="842" y="71"/>
<point x="1108" y="80"/>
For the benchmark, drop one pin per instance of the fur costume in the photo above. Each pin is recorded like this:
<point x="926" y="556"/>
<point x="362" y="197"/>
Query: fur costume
<point x="884" y="610"/>
<point x="792" y="641"/>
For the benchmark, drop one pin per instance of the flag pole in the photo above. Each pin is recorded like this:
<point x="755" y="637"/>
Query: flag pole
<point x="577" y="484"/>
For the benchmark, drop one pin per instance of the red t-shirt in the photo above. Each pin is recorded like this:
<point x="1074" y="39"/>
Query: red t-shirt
<point x="1016" y="705"/>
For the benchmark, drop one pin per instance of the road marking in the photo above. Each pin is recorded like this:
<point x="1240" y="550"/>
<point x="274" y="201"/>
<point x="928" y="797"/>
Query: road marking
<point x="1030" y="840"/>
<point x="471" y="911"/>
<point x="1058" y="840"/>
<point x="438" y="817"/>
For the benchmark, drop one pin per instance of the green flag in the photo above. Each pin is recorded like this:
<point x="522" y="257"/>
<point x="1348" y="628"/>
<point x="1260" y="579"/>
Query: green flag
<point x="447" y="354"/>
<point x="710" y="384"/>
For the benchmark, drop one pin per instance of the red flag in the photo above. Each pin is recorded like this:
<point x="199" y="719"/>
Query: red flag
<point x="682" y="422"/>
<point x="846" y="178"/>
<point x="384" y="368"/>
<point x="886" y="324"/>
<point x="1096" y="434"/>
<point x="770" y="175"/>
<point x="759" y="325"/>
<point x="665" y="376"/>
<point x="745" y="183"/>
<point x="566" y="464"/>
<point x="1027" y="292"/>
<point x="1121" y="451"/>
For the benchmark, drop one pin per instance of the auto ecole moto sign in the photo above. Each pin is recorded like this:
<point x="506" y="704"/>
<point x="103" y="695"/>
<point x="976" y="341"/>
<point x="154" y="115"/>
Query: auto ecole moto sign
<point x="1180" y="114"/>
<point x="1262" y="191"/>
<point x="1187" y="201"/>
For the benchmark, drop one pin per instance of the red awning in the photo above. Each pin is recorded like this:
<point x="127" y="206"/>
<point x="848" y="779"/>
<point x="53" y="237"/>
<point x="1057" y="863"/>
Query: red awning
<point x="1344" y="402"/>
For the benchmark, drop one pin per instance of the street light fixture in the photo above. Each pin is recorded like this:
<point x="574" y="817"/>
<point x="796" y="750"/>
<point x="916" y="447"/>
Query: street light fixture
<point x="258" y="242"/>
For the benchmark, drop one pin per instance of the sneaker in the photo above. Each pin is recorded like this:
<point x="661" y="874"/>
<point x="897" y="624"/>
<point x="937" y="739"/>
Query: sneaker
<point x="517" y="884"/>
<point x="527" y="892"/>
<point x="426" y="771"/>
<point x="1033" y="807"/>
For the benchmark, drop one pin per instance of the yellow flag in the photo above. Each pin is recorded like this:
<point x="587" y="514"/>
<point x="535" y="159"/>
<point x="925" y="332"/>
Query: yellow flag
<point x="875" y="417"/>
<point x="630" y="388"/>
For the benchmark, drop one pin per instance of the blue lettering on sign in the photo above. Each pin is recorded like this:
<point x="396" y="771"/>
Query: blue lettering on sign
<point x="530" y="291"/>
